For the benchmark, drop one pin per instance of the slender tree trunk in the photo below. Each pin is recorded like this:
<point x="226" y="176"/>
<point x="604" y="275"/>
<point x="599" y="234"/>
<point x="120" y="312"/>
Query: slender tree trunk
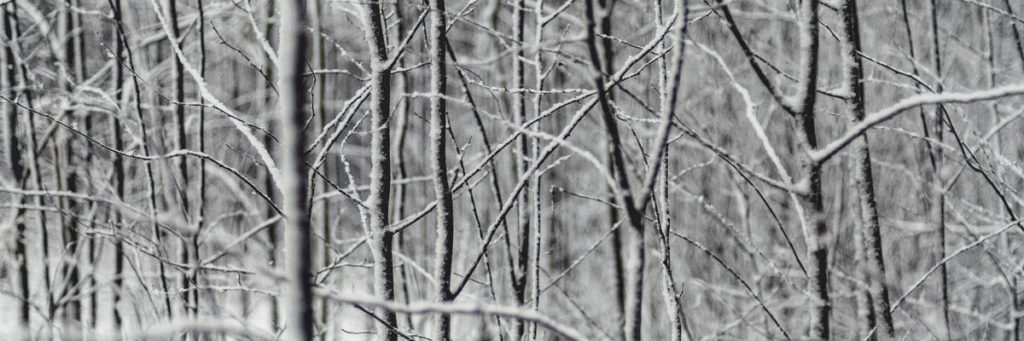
<point x="151" y="186"/>
<point x="520" y="271"/>
<point x="938" y="197"/>
<point x="669" y="84"/>
<point x="398" y="154"/>
<point x="201" y="211"/>
<point x="381" y="238"/>
<point x="268" y="141"/>
<point x="14" y="152"/>
<point x="181" y="143"/>
<point x="33" y="153"/>
<point x="438" y="116"/>
<point x="495" y="181"/>
<point x="401" y="132"/>
<point x="535" y="194"/>
<point x="89" y="209"/>
<point x="618" y="250"/>
<point x="299" y="295"/>
<point x="813" y="202"/>
<point x="1016" y="38"/>
<point x="623" y="194"/>
<point x="119" y="169"/>
<point x="69" y="178"/>
<point x="874" y="266"/>
<point x="320" y="107"/>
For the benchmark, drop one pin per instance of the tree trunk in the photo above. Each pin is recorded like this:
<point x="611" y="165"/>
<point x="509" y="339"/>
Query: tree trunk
<point x="299" y="295"/>
<point x="14" y="152"/>
<point x="853" y="78"/>
<point x="812" y="200"/>
<point x="438" y="165"/>
<point x="381" y="238"/>
<point x="520" y="271"/>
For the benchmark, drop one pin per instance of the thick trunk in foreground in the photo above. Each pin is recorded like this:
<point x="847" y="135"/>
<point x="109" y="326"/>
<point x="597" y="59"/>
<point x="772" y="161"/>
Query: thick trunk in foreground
<point x="298" y="297"/>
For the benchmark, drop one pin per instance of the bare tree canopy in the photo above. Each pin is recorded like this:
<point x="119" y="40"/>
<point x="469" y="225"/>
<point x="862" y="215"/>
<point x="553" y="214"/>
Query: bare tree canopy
<point x="511" y="170"/>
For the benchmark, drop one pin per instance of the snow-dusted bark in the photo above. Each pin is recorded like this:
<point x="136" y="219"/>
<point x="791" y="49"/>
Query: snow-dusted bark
<point x="874" y="266"/>
<point x="398" y="155"/>
<point x="381" y="238"/>
<point x="298" y="297"/>
<point x="669" y="84"/>
<point x="679" y="168"/>
<point x="438" y="165"/>
<point x="813" y="202"/>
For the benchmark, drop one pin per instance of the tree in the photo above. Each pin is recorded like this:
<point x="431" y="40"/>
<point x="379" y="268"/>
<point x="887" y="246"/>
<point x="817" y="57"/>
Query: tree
<point x="667" y="170"/>
<point x="299" y="296"/>
<point x="381" y="239"/>
<point x="445" y="230"/>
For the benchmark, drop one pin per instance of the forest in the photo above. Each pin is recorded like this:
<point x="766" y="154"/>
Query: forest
<point x="511" y="170"/>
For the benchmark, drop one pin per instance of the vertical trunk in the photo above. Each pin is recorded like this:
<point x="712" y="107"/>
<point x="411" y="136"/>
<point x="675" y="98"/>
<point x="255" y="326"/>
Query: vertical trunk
<point x="70" y="236"/>
<point x="1016" y="33"/>
<point x="669" y="84"/>
<point x="990" y="52"/>
<point x="623" y="194"/>
<point x="299" y="296"/>
<point x="150" y="184"/>
<point x="496" y="191"/>
<point x="268" y="181"/>
<point x="89" y="209"/>
<point x="535" y="197"/>
<point x="320" y="107"/>
<point x="519" y="272"/>
<point x="618" y="252"/>
<point x="118" y="165"/>
<point x="14" y="161"/>
<point x="673" y="303"/>
<point x="931" y="171"/>
<point x="438" y="116"/>
<point x="381" y="238"/>
<point x="401" y="130"/>
<point x="180" y="140"/>
<point x="874" y="266"/>
<point x="814" y="215"/>
<point x="201" y="207"/>
<point x="33" y="154"/>
<point x="938" y="196"/>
